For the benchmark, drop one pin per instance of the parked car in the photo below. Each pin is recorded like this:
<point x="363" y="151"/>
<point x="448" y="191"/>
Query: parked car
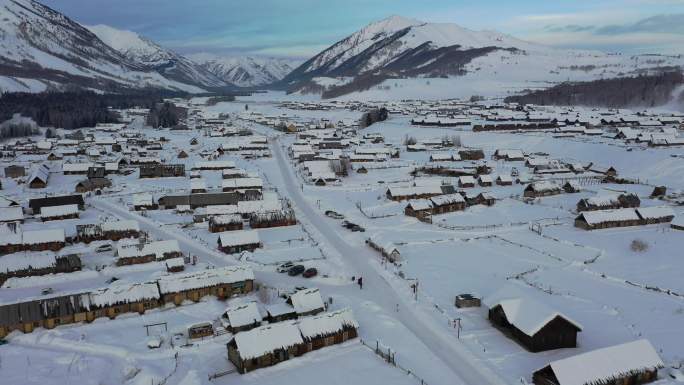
<point x="285" y="267"/>
<point x="334" y="214"/>
<point x="104" y="248"/>
<point x="310" y="272"/>
<point x="357" y="228"/>
<point x="47" y="290"/>
<point x="296" y="270"/>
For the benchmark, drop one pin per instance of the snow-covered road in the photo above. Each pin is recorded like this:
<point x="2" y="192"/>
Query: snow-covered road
<point x="442" y="344"/>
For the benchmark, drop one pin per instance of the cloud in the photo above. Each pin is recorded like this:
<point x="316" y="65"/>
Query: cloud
<point x="569" y="28"/>
<point x="669" y="24"/>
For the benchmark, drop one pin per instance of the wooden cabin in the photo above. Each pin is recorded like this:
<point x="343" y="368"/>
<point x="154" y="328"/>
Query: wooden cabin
<point x="631" y="363"/>
<point x="467" y="300"/>
<point x="228" y="222"/>
<point x="242" y="317"/>
<point x="307" y="302"/>
<point x="541" y="189"/>
<point x="265" y="346"/>
<point x="37" y="204"/>
<point x="200" y="330"/>
<point x="273" y="219"/>
<point x="534" y="325"/>
<point x="233" y="242"/>
<point x="220" y="282"/>
<point x="328" y="329"/>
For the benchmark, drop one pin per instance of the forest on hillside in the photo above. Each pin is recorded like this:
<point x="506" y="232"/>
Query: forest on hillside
<point x="71" y="110"/>
<point x="638" y="91"/>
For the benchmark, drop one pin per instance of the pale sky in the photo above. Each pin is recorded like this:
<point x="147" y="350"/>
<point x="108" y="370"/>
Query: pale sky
<point x="301" y="28"/>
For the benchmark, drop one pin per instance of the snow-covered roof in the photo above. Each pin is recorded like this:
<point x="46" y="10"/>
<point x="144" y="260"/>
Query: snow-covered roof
<point x="25" y="261"/>
<point x="530" y="316"/>
<point x="34" y="237"/>
<point x="157" y="248"/>
<point x="11" y="214"/>
<point x="175" y="262"/>
<point x="544" y="186"/>
<point x="58" y="211"/>
<point x="238" y="183"/>
<point x="420" y="204"/>
<point x="124" y="293"/>
<point x="214" y="164"/>
<point x="307" y="300"/>
<point x="604" y="365"/>
<point x="602" y="216"/>
<point x="244" y="314"/>
<point x="326" y="324"/>
<point x="239" y="237"/>
<point x="265" y="339"/>
<point x="205" y="278"/>
<point x="124" y="225"/>
<point x="656" y="212"/>
<point x="77" y="167"/>
<point x="447" y="199"/>
<point x="143" y="199"/>
<point x="417" y="190"/>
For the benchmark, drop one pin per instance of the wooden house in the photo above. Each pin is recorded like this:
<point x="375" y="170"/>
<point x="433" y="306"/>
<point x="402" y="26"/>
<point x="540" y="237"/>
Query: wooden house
<point x="419" y="208"/>
<point x="11" y="214"/>
<point x="265" y="346"/>
<point x="57" y="213"/>
<point x="162" y="170"/>
<point x="306" y="302"/>
<point x="508" y="155"/>
<point x="485" y="180"/>
<point x="328" y="329"/>
<point x="28" y="265"/>
<point x="280" y="312"/>
<point x="504" y="180"/>
<point x="122" y="298"/>
<point x="466" y="181"/>
<point x="631" y="363"/>
<point x="541" y="189"/>
<point x="92" y="185"/>
<point x="571" y="187"/>
<point x="608" y="202"/>
<point x="603" y="219"/>
<point x="112" y="231"/>
<point x="447" y="203"/>
<point x="175" y="265"/>
<point x="228" y="222"/>
<point x="242" y="317"/>
<point x="15" y="171"/>
<point x="36" y="205"/>
<point x="39" y="177"/>
<point x="220" y="282"/>
<point x="534" y="325"/>
<point x="144" y="201"/>
<point x="471" y="154"/>
<point x="147" y="252"/>
<point x="678" y="222"/>
<point x="232" y="242"/>
<point x="272" y="219"/>
<point x="467" y="300"/>
<point x="200" y="330"/>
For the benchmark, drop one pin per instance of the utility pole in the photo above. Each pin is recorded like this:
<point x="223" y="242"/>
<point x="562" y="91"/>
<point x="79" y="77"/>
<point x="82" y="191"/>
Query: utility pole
<point x="457" y="322"/>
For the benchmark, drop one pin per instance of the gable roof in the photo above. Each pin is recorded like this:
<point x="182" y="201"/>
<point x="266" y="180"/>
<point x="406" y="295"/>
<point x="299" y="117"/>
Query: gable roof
<point x="530" y="316"/>
<point x="265" y="339"/>
<point x="307" y="300"/>
<point x="603" y="365"/>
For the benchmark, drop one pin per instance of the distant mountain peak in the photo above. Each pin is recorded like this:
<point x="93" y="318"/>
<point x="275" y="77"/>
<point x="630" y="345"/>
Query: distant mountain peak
<point x="246" y="71"/>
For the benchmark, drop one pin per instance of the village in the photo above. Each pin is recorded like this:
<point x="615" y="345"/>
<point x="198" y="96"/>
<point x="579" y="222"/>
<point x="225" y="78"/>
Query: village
<point x="420" y="242"/>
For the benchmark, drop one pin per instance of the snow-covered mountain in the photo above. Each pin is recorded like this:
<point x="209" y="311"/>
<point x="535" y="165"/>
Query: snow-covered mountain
<point x="151" y="55"/>
<point x="396" y="51"/>
<point x="246" y="71"/>
<point x="42" y="49"/>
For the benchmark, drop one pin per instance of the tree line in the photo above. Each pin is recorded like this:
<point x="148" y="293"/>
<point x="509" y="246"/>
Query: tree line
<point x="72" y="110"/>
<point x="638" y="91"/>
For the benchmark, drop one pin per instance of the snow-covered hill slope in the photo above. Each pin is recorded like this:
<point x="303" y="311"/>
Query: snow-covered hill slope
<point x="386" y="55"/>
<point x="151" y="55"/>
<point x="43" y="49"/>
<point x="246" y="71"/>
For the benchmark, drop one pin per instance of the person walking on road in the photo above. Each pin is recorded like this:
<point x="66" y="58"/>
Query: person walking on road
<point x="360" y="282"/>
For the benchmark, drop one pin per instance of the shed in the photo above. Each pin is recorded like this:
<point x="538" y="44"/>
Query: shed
<point x="307" y="302"/>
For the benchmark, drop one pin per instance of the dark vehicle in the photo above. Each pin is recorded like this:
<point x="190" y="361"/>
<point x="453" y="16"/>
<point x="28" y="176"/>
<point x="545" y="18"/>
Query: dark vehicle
<point x="310" y="272"/>
<point x="355" y="228"/>
<point x="296" y="270"/>
<point x="285" y="267"/>
<point x="334" y="214"/>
